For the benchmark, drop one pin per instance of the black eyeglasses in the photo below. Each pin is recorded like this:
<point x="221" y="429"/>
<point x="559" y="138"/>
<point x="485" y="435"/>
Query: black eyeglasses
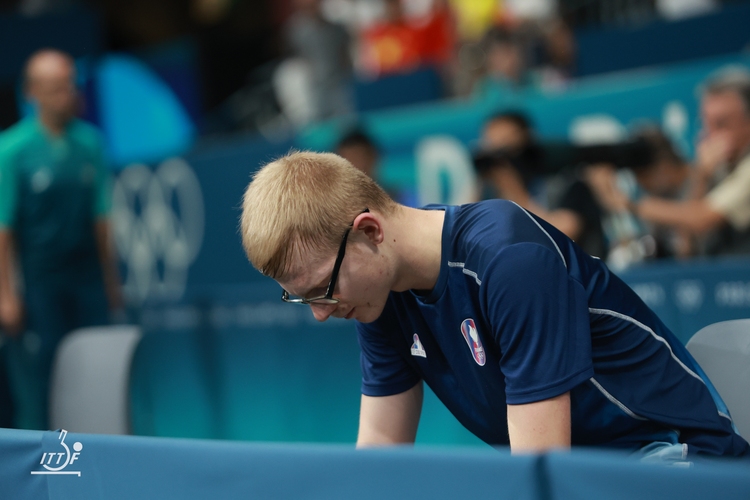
<point x="326" y="299"/>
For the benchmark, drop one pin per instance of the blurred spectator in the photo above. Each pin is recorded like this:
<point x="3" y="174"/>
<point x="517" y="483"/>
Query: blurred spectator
<point x="719" y="208"/>
<point x="505" y="66"/>
<point x="515" y="172"/>
<point x="54" y="201"/>
<point x="321" y="61"/>
<point x="360" y="149"/>
<point x="535" y="49"/>
<point x="357" y="147"/>
<point x="556" y="66"/>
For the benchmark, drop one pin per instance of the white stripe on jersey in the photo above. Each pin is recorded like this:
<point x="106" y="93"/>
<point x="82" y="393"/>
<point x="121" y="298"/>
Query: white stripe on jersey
<point x="649" y="330"/>
<point x="466" y="271"/>
<point x="545" y="232"/>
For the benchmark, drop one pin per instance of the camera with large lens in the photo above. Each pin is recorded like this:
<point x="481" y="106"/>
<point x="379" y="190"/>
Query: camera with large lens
<point x="546" y="158"/>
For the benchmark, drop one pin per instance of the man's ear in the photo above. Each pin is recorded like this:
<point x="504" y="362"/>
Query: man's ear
<point x="371" y="226"/>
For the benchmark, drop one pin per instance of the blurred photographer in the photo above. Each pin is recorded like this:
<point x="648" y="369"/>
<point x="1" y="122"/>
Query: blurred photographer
<point x="664" y="174"/>
<point x="513" y="166"/>
<point x="668" y="177"/>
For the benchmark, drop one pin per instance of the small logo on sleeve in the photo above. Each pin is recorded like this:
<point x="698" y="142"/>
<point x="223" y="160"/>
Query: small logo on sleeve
<point x="471" y="335"/>
<point x="417" y="349"/>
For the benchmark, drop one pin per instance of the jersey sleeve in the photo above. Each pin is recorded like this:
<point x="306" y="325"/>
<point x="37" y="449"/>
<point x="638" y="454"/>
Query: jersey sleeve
<point x="8" y="186"/>
<point x="385" y="372"/>
<point x="540" y="321"/>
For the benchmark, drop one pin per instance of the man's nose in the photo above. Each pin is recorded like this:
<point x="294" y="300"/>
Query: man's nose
<point x="322" y="311"/>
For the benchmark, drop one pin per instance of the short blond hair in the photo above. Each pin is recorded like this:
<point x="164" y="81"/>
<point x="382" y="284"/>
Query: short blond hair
<point x="301" y="203"/>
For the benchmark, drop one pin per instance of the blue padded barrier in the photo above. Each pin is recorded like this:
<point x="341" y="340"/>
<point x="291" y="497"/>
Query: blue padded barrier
<point x="89" y="466"/>
<point x="118" y="467"/>
<point x="594" y="474"/>
<point x="20" y="453"/>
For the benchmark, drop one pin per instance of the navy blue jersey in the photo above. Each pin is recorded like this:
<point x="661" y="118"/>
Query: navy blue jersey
<point x="521" y="314"/>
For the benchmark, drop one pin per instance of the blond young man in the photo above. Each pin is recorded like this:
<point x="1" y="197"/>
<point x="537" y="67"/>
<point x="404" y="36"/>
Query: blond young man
<point x="526" y="339"/>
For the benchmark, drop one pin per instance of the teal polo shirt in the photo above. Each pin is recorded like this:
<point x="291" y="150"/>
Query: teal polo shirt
<point x="52" y="190"/>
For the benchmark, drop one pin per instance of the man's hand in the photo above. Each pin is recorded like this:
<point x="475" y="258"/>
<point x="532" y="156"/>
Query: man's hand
<point x="11" y="308"/>
<point x="712" y="153"/>
<point x="540" y="426"/>
<point x="602" y="179"/>
<point x="11" y="314"/>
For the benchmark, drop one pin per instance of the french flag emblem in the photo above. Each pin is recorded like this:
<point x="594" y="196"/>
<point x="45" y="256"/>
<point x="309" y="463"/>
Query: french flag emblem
<point x="469" y="331"/>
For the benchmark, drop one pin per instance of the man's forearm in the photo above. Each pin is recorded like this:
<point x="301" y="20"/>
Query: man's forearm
<point x="11" y="307"/>
<point x="695" y="216"/>
<point x="540" y="426"/>
<point x="390" y="420"/>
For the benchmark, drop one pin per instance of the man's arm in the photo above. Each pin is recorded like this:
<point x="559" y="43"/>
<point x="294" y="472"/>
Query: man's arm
<point x="108" y="262"/>
<point x="695" y="216"/>
<point x="540" y="426"/>
<point x="390" y="420"/>
<point x="11" y="308"/>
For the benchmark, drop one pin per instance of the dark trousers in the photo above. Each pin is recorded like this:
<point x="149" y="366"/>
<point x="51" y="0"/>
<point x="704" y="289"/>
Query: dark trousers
<point x="53" y="309"/>
<point x="6" y="401"/>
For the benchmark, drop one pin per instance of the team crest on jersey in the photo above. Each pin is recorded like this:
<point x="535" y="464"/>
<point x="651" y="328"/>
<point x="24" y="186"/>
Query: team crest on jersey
<point x="471" y="335"/>
<point x="417" y="349"/>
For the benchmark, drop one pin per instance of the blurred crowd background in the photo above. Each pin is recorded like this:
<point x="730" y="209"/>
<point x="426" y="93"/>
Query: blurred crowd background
<point x="245" y="65"/>
<point x="624" y="123"/>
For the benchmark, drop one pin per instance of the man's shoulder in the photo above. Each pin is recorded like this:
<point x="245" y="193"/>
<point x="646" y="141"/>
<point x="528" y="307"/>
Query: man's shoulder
<point x="743" y="165"/>
<point x="18" y="136"/>
<point x="734" y="180"/>
<point x="485" y="214"/>
<point x="495" y="224"/>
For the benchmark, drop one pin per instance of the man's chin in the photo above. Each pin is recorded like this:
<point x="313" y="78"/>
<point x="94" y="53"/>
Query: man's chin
<point x="368" y="315"/>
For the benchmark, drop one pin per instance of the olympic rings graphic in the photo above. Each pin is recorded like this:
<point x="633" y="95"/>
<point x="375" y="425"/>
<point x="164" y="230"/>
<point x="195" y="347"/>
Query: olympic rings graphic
<point x="158" y="222"/>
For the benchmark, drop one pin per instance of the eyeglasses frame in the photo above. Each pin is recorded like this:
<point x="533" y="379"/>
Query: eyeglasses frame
<point x="328" y="298"/>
